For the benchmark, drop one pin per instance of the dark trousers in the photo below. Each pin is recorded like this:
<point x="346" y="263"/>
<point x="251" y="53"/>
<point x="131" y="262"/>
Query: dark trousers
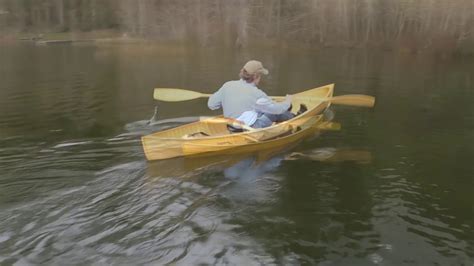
<point x="266" y="120"/>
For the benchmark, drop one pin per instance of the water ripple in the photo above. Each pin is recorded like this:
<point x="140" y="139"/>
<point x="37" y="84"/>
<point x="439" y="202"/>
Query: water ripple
<point x="75" y="187"/>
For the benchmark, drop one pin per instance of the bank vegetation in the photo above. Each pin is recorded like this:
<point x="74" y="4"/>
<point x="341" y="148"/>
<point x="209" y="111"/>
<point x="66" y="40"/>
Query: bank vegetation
<point x="414" y="24"/>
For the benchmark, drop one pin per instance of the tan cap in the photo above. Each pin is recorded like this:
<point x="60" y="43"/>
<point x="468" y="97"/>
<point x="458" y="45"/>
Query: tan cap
<point x="255" y="67"/>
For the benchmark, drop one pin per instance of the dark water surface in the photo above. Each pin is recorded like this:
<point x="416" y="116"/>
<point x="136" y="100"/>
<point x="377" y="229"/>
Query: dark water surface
<point x="394" y="186"/>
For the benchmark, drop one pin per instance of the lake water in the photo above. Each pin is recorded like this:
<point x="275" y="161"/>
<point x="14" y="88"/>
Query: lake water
<point x="394" y="186"/>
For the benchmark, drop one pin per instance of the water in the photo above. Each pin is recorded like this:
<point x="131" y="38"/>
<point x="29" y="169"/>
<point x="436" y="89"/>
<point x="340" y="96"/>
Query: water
<point x="394" y="186"/>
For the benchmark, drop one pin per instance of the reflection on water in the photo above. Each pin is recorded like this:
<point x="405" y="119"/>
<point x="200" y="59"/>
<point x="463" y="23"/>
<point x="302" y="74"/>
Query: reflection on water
<point x="332" y="155"/>
<point x="392" y="187"/>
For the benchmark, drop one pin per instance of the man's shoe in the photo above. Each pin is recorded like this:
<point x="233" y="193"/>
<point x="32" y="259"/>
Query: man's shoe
<point x="302" y="109"/>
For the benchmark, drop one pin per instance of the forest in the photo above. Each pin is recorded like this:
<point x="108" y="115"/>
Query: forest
<point x="440" y="24"/>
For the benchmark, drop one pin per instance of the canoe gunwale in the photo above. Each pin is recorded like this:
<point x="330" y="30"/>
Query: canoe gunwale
<point x="319" y="119"/>
<point x="251" y="147"/>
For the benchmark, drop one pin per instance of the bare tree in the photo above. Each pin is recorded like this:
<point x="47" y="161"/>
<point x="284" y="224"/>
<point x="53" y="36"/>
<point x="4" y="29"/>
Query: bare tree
<point x="335" y="22"/>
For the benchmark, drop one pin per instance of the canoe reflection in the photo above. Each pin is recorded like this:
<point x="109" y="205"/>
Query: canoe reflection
<point x="252" y="165"/>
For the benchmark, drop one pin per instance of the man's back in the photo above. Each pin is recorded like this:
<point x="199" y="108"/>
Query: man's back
<point x="235" y="97"/>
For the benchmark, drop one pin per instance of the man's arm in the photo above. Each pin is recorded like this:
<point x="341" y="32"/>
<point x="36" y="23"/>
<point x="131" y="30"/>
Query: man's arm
<point x="267" y="105"/>
<point x="215" y="101"/>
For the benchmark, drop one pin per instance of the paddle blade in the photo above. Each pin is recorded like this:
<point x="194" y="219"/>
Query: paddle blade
<point x="176" y="95"/>
<point x="354" y="100"/>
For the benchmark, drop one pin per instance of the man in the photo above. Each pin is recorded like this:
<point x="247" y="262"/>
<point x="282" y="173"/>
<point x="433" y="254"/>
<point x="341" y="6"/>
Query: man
<point x="244" y="101"/>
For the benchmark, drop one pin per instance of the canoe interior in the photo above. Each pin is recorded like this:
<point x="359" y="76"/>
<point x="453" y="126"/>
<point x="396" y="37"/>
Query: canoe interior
<point x="205" y="148"/>
<point x="177" y="141"/>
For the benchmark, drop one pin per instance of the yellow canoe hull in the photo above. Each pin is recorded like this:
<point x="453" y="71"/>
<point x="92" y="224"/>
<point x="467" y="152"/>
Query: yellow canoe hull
<point x="203" y="148"/>
<point x="175" y="143"/>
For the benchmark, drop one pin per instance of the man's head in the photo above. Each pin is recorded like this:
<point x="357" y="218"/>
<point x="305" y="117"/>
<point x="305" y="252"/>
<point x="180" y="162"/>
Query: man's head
<point x="252" y="71"/>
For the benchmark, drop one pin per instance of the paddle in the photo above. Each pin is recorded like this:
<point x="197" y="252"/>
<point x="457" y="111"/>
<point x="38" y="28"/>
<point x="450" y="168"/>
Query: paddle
<point x="230" y="121"/>
<point x="178" y="95"/>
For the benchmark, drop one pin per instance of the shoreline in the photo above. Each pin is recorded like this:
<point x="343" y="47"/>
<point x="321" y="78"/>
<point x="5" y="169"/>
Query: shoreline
<point x="116" y="37"/>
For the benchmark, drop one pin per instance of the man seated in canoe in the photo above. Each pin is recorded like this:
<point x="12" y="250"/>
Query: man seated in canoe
<point x="244" y="101"/>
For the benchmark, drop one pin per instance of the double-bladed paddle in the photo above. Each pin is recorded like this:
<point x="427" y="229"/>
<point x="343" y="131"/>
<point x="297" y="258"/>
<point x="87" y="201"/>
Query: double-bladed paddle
<point x="178" y="95"/>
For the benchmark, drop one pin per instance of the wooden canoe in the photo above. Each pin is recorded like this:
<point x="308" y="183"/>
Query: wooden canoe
<point x="176" y="142"/>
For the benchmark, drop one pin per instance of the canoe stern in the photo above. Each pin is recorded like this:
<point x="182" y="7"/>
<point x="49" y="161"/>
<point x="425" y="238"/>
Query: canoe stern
<point x="159" y="148"/>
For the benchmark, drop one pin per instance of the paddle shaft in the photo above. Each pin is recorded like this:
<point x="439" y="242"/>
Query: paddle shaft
<point x="177" y="95"/>
<point x="348" y="99"/>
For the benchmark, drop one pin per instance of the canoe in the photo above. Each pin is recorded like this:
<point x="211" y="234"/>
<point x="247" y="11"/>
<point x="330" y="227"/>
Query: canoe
<point x="211" y="136"/>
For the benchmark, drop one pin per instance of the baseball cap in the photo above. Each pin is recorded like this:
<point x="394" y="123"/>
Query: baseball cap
<point x="255" y="67"/>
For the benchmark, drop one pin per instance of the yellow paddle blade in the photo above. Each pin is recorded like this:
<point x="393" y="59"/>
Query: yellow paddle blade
<point x="176" y="95"/>
<point x="353" y="100"/>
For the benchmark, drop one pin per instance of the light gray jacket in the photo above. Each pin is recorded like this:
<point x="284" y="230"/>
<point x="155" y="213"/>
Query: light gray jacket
<point x="238" y="96"/>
